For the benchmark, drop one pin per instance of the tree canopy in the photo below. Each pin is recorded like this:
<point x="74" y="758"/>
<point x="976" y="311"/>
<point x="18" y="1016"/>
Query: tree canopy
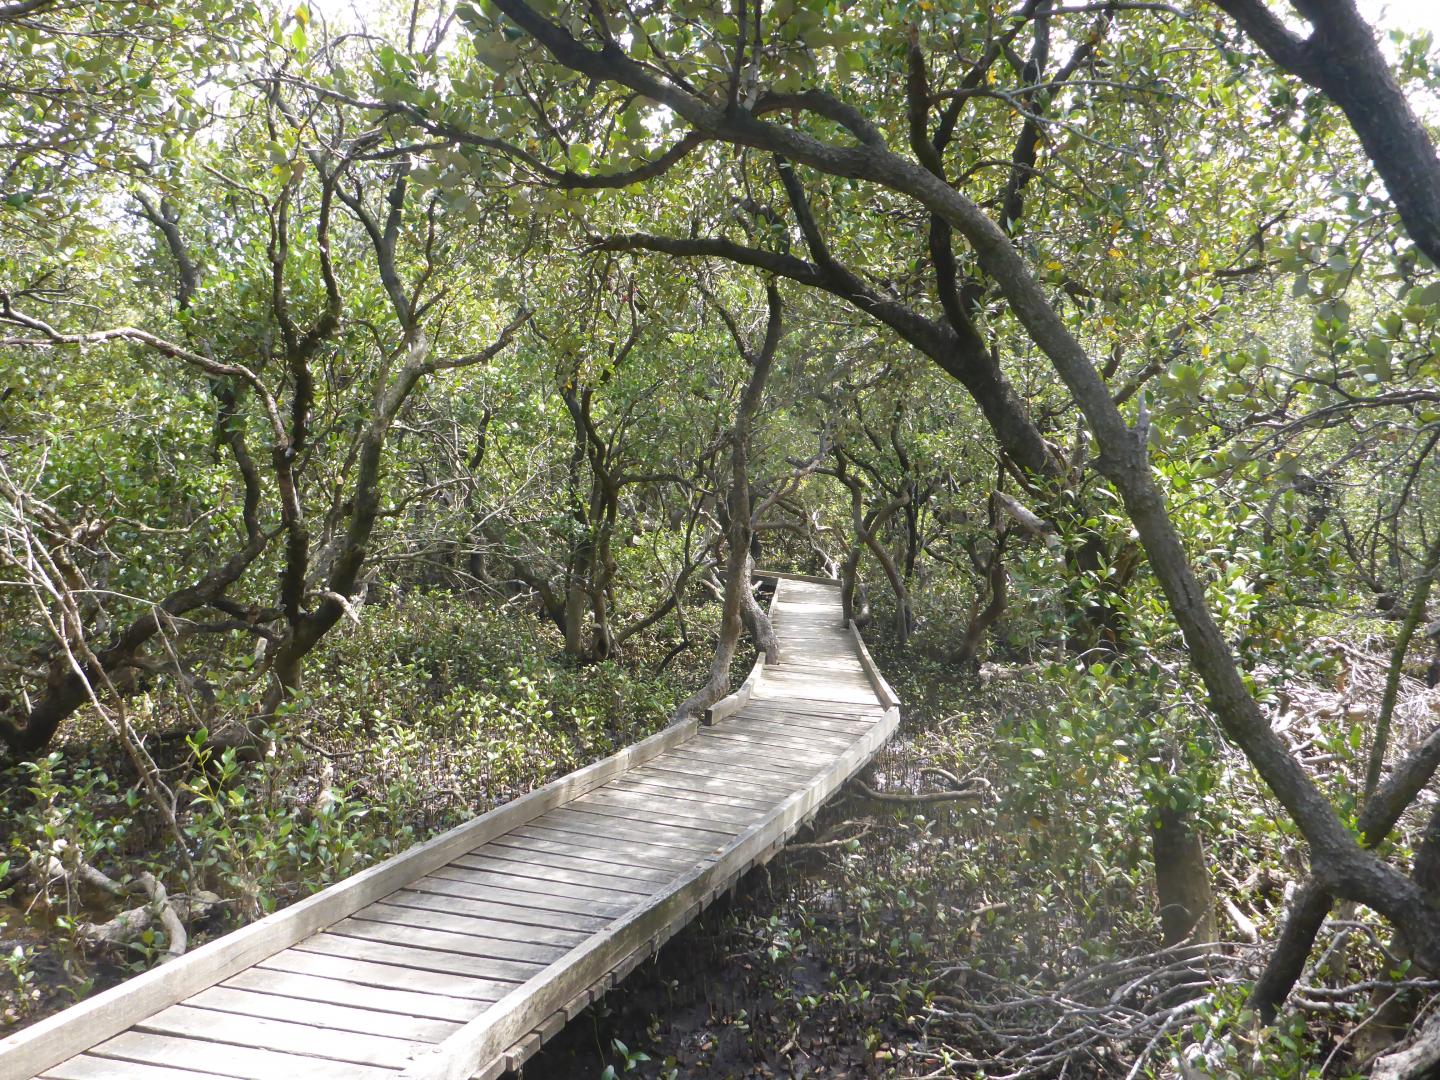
<point x="1098" y="337"/>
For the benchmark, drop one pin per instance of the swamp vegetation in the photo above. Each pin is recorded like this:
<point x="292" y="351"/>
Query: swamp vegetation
<point x="395" y="400"/>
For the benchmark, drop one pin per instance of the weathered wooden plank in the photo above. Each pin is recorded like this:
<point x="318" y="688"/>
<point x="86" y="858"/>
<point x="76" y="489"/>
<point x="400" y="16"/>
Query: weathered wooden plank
<point x="673" y="787"/>
<point x="803" y="646"/>
<point x="701" y="787"/>
<point x="824" y="686"/>
<point x="658" y="813"/>
<point x="713" y="747"/>
<point x="441" y="895"/>
<point x="264" y="1033"/>
<point x="611" y="888"/>
<point x="386" y="976"/>
<point x="863" y="711"/>
<point x="688" y="841"/>
<point x="849" y="678"/>
<point x="762" y="743"/>
<point x="593" y="863"/>
<point x="581" y="1001"/>
<point x="494" y="972"/>
<point x="322" y="1014"/>
<point x="58" y="1037"/>
<point x="754" y="764"/>
<point x="781" y="739"/>
<point x="831" y="717"/>
<point x="736" y="779"/>
<point x="816" y="690"/>
<point x="776" y="778"/>
<point x="545" y="1030"/>
<point x="850" y="683"/>
<point x="651" y="807"/>
<point x="799" y="726"/>
<point x="654" y="856"/>
<point x="546" y="871"/>
<point x="818" y="723"/>
<point x="86" y="1067"/>
<point x="221" y="1059"/>
<point x="431" y="918"/>
<point x="522" y="1051"/>
<point x="809" y="579"/>
<point x="604" y="893"/>
<point x="428" y="937"/>
<point x="832" y="741"/>
<point x="572" y="898"/>
<point x="841" y="661"/>
<point x="669" y="806"/>
<point x="312" y="988"/>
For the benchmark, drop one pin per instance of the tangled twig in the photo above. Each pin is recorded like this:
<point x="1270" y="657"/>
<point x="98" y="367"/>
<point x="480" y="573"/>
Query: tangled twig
<point x="1112" y="1016"/>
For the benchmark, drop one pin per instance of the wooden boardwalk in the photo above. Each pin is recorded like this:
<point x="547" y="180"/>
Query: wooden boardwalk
<point x="460" y="957"/>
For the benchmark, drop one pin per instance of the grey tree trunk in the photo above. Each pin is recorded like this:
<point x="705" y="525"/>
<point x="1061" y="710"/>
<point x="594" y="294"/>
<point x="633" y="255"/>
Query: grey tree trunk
<point x="1182" y="880"/>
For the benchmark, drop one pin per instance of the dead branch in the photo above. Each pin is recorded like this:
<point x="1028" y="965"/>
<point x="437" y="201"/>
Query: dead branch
<point x="922" y="798"/>
<point x="1414" y="1061"/>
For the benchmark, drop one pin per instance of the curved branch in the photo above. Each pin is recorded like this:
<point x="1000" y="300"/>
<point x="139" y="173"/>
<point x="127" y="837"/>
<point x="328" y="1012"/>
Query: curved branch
<point x="50" y="337"/>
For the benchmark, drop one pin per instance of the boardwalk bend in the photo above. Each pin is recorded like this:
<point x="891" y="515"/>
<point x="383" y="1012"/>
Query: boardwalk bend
<point x="460" y="957"/>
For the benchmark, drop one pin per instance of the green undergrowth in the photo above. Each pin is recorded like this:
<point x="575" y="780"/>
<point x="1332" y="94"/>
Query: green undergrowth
<point x="434" y="708"/>
<point x="933" y="939"/>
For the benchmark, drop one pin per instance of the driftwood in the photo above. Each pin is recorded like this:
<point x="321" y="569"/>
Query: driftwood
<point x="1417" y="1060"/>
<point x="976" y="790"/>
<point x="1243" y="924"/>
<point x="125" y="928"/>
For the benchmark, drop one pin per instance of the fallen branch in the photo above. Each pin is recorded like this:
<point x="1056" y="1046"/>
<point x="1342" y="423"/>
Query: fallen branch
<point x="1414" y="1061"/>
<point x="826" y="845"/>
<point x="1113" y="1017"/>
<point x="125" y="928"/>
<point x="1243" y="923"/>
<point x="82" y="875"/>
<point x="1367" y="986"/>
<point x="956" y="782"/>
<point x="920" y="799"/>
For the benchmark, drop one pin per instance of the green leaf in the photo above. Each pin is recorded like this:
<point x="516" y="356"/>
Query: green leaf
<point x="1428" y="295"/>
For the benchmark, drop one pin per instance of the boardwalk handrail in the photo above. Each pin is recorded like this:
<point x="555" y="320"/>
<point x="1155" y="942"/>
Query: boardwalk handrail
<point x="784" y="575"/>
<point x="48" y="1042"/>
<point x="739" y="697"/>
<point x="888" y="698"/>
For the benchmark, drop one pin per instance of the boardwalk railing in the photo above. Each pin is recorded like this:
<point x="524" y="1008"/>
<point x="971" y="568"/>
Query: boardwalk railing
<point x="458" y="958"/>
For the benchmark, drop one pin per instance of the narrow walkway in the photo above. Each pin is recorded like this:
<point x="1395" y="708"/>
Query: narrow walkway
<point x="460" y="957"/>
